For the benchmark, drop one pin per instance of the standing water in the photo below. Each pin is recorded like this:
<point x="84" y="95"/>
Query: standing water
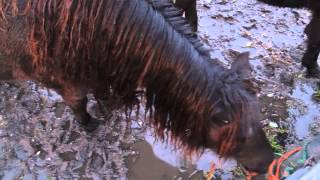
<point x="308" y="109"/>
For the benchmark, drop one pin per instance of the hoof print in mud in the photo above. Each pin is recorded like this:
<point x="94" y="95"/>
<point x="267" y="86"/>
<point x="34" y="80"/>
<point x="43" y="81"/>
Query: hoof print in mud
<point x="287" y="78"/>
<point x="97" y="161"/>
<point x="68" y="155"/>
<point x="91" y="125"/>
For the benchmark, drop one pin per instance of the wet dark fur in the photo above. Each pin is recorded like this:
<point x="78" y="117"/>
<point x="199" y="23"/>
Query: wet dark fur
<point x="113" y="48"/>
<point x="312" y="30"/>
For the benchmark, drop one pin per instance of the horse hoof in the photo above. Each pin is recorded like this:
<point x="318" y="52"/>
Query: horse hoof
<point x="313" y="73"/>
<point x="91" y="125"/>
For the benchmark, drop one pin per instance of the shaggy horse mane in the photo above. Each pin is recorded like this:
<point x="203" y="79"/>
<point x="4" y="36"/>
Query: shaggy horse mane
<point x="78" y="43"/>
<point x="174" y="17"/>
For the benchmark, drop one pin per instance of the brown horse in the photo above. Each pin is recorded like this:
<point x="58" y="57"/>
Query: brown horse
<point x="114" y="47"/>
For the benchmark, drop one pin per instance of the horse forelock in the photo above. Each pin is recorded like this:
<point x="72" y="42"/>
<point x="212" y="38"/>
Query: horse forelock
<point x="243" y="108"/>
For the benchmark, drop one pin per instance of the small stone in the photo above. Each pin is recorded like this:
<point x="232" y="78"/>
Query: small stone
<point x="38" y="153"/>
<point x="270" y="95"/>
<point x="286" y="78"/>
<point x="273" y="125"/>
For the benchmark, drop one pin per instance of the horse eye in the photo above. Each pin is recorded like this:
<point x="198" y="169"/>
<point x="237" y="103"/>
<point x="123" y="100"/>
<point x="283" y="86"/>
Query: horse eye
<point x="225" y="121"/>
<point x="220" y="121"/>
<point x="221" y="118"/>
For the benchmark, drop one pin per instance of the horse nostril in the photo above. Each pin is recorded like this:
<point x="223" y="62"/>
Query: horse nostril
<point x="243" y="140"/>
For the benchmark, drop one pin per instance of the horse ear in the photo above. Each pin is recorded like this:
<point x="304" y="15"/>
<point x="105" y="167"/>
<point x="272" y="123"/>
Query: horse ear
<point x="241" y="65"/>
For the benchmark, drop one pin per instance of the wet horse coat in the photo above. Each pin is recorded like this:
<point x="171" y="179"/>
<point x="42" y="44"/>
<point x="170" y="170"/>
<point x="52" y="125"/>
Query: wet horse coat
<point x="114" y="48"/>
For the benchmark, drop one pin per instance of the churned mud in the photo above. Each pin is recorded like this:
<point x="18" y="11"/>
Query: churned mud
<point x="39" y="138"/>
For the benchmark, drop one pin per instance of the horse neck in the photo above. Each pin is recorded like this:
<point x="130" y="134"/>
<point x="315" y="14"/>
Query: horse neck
<point x="149" y="47"/>
<point x="145" y="36"/>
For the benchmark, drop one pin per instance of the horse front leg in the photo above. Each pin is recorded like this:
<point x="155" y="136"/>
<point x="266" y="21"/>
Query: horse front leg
<point x="191" y="14"/>
<point x="311" y="55"/>
<point x="77" y="100"/>
<point x="190" y="9"/>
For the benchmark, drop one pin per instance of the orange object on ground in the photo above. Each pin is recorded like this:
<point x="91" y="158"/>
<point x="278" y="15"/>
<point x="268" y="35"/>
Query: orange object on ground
<point x="211" y="171"/>
<point x="274" y="167"/>
<point x="273" y="170"/>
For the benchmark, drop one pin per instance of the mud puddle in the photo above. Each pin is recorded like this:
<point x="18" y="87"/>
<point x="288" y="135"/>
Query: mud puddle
<point x="159" y="160"/>
<point x="148" y="166"/>
<point x="306" y="110"/>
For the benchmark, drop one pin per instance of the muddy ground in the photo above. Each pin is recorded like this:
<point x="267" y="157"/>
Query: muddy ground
<point x="39" y="138"/>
